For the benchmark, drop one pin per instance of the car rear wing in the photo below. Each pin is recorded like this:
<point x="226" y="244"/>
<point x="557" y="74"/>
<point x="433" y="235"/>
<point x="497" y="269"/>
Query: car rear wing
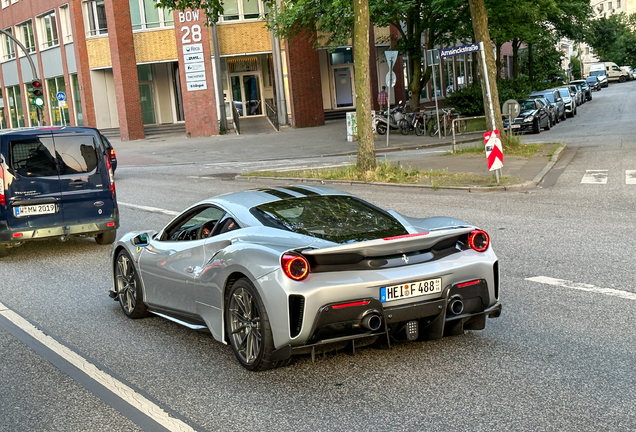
<point x="394" y="245"/>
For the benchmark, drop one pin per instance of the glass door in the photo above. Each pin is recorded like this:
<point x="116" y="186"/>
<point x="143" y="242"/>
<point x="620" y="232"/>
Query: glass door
<point x="246" y="94"/>
<point x="147" y="104"/>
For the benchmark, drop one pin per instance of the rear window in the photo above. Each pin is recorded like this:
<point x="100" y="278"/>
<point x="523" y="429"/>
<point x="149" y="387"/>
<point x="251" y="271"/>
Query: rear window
<point x="76" y="154"/>
<point x="32" y="158"/>
<point x="340" y="219"/>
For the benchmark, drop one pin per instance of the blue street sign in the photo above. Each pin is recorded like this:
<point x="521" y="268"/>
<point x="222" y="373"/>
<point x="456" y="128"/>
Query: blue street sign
<point x="459" y="50"/>
<point x="61" y="96"/>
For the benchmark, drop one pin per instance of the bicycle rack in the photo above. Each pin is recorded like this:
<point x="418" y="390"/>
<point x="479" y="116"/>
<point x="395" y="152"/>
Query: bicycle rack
<point x="453" y="127"/>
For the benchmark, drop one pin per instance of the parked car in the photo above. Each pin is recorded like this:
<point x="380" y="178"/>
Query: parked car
<point x="554" y="119"/>
<point x="307" y="269"/>
<point x="587" y="91"/>
<point x="602" y="77"/>
<point x="577" y="92"/>
<point x="594" y="83"/>
<point x="630" y="72"/>
<point x="533" y="116"/>
<point x="555" y="100"/>
<point x="633" y="73"/>
<point x="55" y="182"/>
<point x="569" y="100"/>
<point x="110" y="151"/>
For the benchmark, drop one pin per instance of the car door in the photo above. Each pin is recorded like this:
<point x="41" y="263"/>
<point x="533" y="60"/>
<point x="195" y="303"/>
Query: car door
<point x="84" y="182"/>
<point x="175" y="257"/>
<point x="32" y="182"/>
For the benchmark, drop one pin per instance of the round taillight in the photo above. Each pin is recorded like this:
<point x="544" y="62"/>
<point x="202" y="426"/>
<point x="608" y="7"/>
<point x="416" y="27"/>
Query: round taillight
<point x="295" y="267"/>
<point x="479" y="240"/>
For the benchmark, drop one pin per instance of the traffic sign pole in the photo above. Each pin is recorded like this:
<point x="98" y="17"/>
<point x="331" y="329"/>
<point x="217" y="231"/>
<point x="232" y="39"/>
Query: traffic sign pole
<point x="490" y="107"/>
<point x="391" y="57"/>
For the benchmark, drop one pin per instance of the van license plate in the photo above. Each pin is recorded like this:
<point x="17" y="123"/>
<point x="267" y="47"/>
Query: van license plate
<point x="34" y="210"/>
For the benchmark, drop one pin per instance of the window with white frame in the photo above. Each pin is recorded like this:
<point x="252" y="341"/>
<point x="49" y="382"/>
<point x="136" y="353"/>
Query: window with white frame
<point x="25" y="35"/>
<point x="14" y="1"/>
<point x="96" y="17"/>
<point x="65" y="24"/>
<point x="144" y="15"/>
<point x="8" y="46"/>
<point x="600" y="7"/>
<point x="5" y="3"/>
<point x="618" y="4"/>
<point x="243" y="10"/>
<point x="48" y="30"/>
<point x="609" y="6"/>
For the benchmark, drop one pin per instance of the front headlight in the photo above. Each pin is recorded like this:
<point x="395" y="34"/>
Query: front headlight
<point x="528" y="119"/>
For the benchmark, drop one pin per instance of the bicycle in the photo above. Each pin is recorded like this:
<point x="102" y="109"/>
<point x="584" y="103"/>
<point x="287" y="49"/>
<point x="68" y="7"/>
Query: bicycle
<point x="446" y="121"/>
<point x="413" y="121"/>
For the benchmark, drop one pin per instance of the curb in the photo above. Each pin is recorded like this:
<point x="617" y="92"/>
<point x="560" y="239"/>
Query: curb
<point x="516" y="187"/>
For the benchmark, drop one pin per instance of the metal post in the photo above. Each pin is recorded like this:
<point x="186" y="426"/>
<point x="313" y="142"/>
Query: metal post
<point x="388" y="104"/>
<point x="439" y="129"/>
<point x="492" y="111"/>
<point x="218" y="84"/>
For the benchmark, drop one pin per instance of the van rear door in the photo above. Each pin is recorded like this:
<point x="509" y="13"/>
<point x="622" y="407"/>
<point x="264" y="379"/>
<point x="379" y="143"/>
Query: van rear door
<point x="32" y="183"/>
<point x="84" y="179"/>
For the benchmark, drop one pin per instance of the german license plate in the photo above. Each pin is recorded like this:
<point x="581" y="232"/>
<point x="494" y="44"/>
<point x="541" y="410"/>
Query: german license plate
<point x="39" y="209"/>
<point x="412" y="289"/>
<point x="515" y="126"/>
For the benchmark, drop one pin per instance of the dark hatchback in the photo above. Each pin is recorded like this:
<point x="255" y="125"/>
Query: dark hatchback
<point x="585" y="88"/>
<point x="555" y="99"/>
<point x="533" y="116"/>
<point x="55" y="182"/>
<point x="594" y="83"/>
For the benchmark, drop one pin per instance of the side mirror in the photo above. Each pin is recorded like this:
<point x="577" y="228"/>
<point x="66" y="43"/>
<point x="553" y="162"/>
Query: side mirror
<point x="141" y="240"/>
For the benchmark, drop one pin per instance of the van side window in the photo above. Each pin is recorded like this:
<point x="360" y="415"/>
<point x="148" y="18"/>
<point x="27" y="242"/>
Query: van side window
<point x="32" y="158"/>
<point x="76" y="154"/>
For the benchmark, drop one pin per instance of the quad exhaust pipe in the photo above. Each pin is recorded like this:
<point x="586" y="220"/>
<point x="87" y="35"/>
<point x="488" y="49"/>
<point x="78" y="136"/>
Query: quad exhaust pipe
<point x="371" y="322"/>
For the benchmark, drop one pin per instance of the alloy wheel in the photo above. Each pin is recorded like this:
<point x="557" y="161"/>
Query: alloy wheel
<point x="245" y="325"/>
<point x="126" y="284"/>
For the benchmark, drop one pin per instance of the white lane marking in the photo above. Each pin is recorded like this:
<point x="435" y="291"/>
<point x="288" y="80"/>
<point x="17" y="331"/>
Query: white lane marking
<point x="129" y="395"/>
<point x="583" y="287"/>
<point x="149" y="209"/>
<point x="595" y="177"/>
<point x="630" y="177"/>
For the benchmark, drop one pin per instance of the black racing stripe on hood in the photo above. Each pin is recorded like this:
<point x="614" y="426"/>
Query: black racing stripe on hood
<point x="277" y="193"/>
<point x="302" y="190"/>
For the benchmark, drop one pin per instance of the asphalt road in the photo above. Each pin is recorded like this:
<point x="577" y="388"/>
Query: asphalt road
<point x="560" y="358"/>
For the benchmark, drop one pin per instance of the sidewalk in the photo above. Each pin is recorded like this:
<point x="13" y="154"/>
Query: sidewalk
<point x="322" y="141"/>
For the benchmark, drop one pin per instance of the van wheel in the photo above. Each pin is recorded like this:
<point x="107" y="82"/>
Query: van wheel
<point x="3" y="251"/>
<point x="106" y="237"/>
<point x="622" y="79"/>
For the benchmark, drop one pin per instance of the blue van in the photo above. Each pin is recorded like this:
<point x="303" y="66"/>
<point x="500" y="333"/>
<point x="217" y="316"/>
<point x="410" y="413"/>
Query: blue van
<point x="55" y="182"/>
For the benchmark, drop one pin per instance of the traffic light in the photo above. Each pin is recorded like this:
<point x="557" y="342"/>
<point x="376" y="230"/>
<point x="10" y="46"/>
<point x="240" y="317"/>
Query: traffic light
<point x="36" y="93"/>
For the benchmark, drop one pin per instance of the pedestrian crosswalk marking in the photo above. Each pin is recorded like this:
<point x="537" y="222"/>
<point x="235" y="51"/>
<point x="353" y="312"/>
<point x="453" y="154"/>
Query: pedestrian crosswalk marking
<point x="630" y="177"/>
<point x="595" y="177"/>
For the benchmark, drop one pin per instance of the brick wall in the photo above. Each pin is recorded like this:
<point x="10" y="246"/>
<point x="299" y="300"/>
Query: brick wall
<point x="303" y="67"/>
<point x="199" y="106"/>
<point x="124" y="63"/>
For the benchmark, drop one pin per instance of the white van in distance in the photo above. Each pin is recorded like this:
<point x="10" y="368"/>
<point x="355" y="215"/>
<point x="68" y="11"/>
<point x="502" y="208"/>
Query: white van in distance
<point x="613" y="72"/>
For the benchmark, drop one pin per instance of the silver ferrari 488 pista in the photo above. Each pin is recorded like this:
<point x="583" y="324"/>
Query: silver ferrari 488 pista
<point x="306" y="269"/>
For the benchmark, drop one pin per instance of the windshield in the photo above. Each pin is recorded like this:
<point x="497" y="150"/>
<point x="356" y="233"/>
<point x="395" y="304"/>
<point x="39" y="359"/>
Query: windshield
<point x="597" y="73"/>
<point x="527" y="105"/>
<point x="340" y="219"/>
<point x="564" y="93"/>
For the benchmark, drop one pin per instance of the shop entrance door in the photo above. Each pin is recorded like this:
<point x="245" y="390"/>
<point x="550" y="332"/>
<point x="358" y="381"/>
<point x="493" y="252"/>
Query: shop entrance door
<point x="246" y="94"/>
<point x="343" y="87"/>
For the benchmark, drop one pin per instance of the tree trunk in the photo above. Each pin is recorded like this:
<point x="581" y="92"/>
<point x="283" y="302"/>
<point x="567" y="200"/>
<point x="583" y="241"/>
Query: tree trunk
<point x="366" y="144"/>
<point x="498" y="61"/>
<point x="530" y="63"/>
<point x="480" y="28"/>
<point x="515" y="58"/>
